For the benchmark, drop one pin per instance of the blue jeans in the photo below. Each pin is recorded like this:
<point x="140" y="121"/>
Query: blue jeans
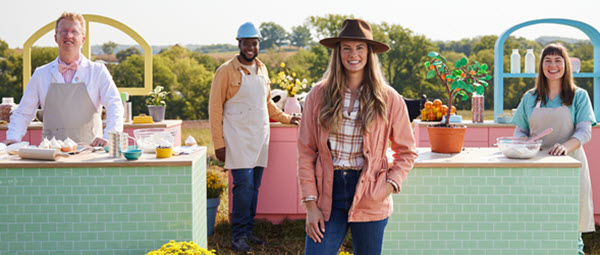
<point x="246" y="182"/>
<point x="367" y="237"/>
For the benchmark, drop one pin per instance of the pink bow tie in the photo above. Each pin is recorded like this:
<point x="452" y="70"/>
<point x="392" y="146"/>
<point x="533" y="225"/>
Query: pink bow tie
<point x="62" y="68"/>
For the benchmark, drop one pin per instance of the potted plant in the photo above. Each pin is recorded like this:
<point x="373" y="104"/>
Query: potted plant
<point x="461" y="80"/>
<point x="181" y="248"/>
<point x="214" y="188"/>
<point x="156" y="103"/>
<point x="287" y="80"/>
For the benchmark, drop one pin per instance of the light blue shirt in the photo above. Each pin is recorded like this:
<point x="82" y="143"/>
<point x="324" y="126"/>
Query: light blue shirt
<point x="581" y="109"/>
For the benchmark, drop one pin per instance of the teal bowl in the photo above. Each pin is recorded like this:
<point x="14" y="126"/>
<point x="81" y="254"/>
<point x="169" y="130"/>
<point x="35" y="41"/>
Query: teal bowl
<point x="106" y="148"/>
<point x="132" y="154"/>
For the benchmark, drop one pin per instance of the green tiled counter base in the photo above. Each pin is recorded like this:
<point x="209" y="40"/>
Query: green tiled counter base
<point x="485" y="211"/>
<point x="101" y="210"/>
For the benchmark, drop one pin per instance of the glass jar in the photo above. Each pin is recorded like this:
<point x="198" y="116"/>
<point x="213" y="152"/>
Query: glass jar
<point x="8" y="104"/>
<point x="529" y="61"/>
<point x="515" y="62"/>
<point x="477" y="108"/>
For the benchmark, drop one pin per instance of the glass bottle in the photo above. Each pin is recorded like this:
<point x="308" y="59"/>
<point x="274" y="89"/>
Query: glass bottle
<point x="477" y="108"/>
<point x="529" y="61"/>
<point x="515" y="62"/>
<point x="8" y="104"/>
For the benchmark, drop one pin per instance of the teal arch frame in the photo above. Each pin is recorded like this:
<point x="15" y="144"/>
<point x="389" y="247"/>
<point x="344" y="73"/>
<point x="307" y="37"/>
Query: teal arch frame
<point x="499" y="73"/>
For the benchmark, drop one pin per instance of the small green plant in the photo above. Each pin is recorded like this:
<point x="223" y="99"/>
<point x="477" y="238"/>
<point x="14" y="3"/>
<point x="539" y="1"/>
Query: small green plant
<point x="288" y="81"/>
<point x="214" y="185"/>
<point x="157" y="96"/>
<point x="181" y="248"/>
<point x="466" y="77"/>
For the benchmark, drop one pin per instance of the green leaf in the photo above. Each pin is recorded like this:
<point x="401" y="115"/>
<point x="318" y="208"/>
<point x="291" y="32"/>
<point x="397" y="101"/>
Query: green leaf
<point x="437" y="63"/>
<point x="484" y="67"/>
<point x="465" y="97"/>
<point x="457" y="64"/>
<point x="480" y="90"/>
<point x="457" y="72"/>
<point x="432" y="54"/>
<point x="461" y="84"/>
<point x="483" y="82"/>
<point x="469" y="88"/>
<point x="455" y="85"/>
<point x="464" y="61"/>
<point x="444" y="59"/>
<point x="427" y="64"/>
<point x="488" y="77"/>
<point x="430" y="74"/>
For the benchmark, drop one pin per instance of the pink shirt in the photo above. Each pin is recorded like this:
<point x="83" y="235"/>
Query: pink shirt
<point x="68" y="75"/>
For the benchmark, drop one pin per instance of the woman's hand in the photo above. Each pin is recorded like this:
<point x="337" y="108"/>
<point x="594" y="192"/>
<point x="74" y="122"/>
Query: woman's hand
<point x="558" y="150"/>
<point x="315" y="223"/>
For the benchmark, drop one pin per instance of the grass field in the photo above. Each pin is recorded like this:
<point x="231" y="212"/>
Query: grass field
<point x="288" y="237"/>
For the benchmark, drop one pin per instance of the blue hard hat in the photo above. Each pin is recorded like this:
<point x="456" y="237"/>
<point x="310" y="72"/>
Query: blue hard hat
<point x="248" y="30"/>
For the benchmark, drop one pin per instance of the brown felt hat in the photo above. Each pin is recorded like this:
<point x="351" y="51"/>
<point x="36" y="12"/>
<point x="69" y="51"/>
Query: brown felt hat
<point x="358" y="30"/>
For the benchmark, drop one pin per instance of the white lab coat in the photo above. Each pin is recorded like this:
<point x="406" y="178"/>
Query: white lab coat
<point x="99" y="84"/>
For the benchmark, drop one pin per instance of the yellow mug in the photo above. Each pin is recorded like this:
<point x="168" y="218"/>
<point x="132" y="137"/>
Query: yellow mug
<point x="163" y="152"/>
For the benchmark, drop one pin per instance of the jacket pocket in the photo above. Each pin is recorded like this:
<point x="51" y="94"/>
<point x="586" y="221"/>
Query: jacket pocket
<point x="375" y="194"/>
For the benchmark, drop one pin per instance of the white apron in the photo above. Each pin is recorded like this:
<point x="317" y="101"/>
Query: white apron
<point x="69" y="112"/>
<point x="544" y="118"/>
<point x="246" y="124"/>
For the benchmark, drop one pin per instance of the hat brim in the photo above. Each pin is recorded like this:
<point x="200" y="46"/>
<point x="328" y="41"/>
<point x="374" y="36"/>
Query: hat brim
<point x="378" y="47"/>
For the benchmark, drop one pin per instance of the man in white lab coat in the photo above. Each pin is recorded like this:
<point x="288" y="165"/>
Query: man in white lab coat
<point x="71" y="90"/>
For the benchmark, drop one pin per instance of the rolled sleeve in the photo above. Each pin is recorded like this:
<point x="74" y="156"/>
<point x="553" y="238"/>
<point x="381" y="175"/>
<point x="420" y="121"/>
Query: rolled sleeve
<point x="402" y="142"/>
<point x="218" y="93"/>
<point x="24" y="114"/>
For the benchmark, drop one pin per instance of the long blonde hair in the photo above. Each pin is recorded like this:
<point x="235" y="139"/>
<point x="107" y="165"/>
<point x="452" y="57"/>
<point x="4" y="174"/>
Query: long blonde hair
<point x="372" y="98"/>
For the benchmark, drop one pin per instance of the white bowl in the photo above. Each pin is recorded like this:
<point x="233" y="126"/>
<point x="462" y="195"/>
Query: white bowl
<point x="513" y="147"/>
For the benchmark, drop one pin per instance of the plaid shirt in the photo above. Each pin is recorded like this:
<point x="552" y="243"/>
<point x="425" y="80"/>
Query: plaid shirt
<point x="346" y="144"/>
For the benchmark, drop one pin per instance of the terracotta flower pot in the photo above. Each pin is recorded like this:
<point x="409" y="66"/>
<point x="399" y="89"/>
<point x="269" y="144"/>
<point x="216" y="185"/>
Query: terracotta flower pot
<point x="447" y="139"/>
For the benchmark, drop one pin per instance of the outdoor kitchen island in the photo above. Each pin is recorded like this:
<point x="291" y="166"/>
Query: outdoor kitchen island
<point x="480" y="202"/>
<point x="93" y="204"/>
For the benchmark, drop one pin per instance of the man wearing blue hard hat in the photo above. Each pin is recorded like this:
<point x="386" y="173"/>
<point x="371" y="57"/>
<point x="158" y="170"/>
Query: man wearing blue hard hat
<point x="239" y="110"/>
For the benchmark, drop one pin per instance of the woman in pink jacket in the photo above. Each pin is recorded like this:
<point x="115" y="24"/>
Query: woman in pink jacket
<point x="348" y="121"/>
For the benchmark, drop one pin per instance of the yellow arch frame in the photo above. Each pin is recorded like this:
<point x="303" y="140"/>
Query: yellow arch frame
<point x="87" y="50"/>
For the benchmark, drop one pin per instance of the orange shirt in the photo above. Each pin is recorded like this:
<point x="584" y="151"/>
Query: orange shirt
<point x="225" y="85"/>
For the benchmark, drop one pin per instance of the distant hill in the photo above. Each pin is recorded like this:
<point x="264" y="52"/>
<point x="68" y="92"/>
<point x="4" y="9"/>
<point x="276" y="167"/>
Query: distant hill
<point x="543" y="40"/>
<point x="213" y="48"/>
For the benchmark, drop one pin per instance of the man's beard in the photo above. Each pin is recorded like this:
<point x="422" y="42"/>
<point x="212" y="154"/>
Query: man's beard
<point x="246" y="58"/>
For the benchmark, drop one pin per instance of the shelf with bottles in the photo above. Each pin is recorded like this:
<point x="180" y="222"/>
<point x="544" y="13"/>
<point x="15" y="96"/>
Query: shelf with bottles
<point x="534" y="75"/>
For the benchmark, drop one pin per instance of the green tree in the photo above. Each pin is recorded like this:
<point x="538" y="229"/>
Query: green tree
<point x="124" y="54"/>
<point x="273" y="35"/>
<point x="109" y="47"/>
<point x="328" y="25"/>
<point x="300" y="36"/>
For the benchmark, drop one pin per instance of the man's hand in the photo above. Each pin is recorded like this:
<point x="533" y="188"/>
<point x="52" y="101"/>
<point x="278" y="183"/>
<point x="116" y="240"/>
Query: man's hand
<point x="295" y="120"/>
<point x="9" y="142"/>
<point x="220" y="154"/>
<point x="99" y="142"/>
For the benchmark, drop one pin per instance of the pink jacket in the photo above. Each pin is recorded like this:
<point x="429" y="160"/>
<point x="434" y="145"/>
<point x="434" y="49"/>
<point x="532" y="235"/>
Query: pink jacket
<point x="315" y="166"/>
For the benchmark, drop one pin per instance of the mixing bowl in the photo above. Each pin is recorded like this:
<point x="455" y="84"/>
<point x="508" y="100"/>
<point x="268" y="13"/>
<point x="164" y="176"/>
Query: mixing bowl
<point x="148" y="139"/>
<point x="513" y="147"/>
<point x="132" y="154"/>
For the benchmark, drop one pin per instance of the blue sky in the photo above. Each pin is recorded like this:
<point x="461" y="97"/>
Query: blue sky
<point x="216" y="21"/>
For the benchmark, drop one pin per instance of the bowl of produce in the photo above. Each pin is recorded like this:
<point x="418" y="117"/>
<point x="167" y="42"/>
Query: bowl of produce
<point x="132" y="154"/>
<point x="518" y="148"/>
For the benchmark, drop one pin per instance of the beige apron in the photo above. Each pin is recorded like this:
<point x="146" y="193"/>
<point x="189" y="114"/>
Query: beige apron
<point x="69" y="112"/>
<point x="543" y="118"/>
<point x="246" y="124"/>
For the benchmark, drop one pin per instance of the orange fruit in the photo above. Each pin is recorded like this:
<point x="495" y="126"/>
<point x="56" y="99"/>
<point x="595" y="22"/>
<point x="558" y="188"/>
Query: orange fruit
<point x="424" y="113"/>
<point x="462" y="75"/>
<point x="453" y="110"/>
<point x="438" y="116"/>
<point x="444" y="109"/>
<point x="443" y="76"/>
<point x="472" y="72"/>
<point x="431" y="67"/>
<point x="428" y="105"/>
<point x="437" y="103"/>
<point x="431" y="116"/>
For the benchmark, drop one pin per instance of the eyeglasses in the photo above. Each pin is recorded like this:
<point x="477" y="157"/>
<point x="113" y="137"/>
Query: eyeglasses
<point x="73" y="32"/>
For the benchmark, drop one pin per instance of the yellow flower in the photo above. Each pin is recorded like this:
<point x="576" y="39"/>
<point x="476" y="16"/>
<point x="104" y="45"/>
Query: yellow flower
<point x="282" y="65"/>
